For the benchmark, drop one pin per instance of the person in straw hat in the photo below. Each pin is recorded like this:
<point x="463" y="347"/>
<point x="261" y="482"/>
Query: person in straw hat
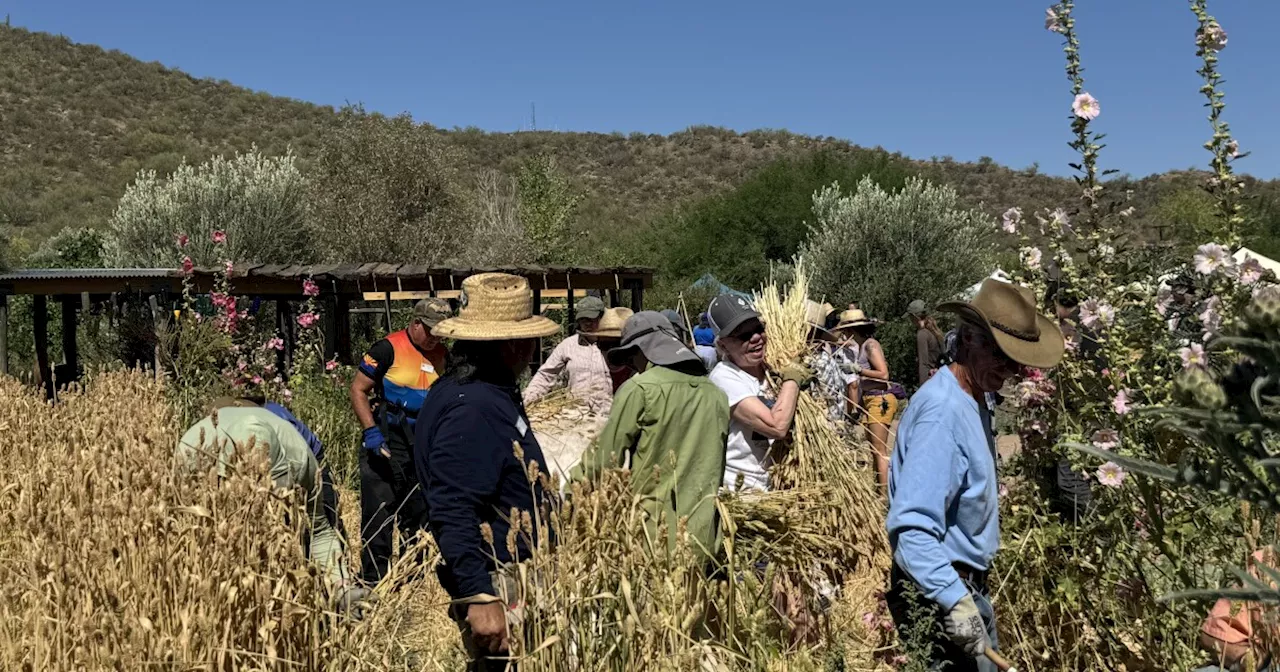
<point x="834" y="365"/>
<point x="670" y="423"/>
<point x="474" y="450"/>
<point x="389" y="387"/>
<point x="607" y="335"/>
<point x="580" y="357"/>
<point x="875" y="396"/>
<point x="943" y="521"/>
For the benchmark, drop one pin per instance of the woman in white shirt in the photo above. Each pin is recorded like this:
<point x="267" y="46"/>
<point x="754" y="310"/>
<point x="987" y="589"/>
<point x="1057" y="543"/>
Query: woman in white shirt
<point x="754" y="422"/>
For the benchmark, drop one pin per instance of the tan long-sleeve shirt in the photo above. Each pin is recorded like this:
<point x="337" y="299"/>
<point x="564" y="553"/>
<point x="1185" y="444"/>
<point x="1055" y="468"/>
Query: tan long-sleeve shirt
<point x="589" y="378"/>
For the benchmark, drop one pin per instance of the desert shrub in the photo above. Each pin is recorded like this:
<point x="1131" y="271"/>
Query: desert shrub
<point x="883" y="249"/>
<point x="258" y="201"/>
<point x="498" y="238"/>
<point x="737" y="234"/>
<point x="387" y="189"/>
<point x="548" y="210"/>
<point x="71" y="248"/>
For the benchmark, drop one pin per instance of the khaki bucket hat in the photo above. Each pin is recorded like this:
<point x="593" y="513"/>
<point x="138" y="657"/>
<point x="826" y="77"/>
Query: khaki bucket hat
<point x="495" y="307"/>
<point x="1009" y="312"/>
<point x="611" y="323"/>
<point x="854" y="317"/>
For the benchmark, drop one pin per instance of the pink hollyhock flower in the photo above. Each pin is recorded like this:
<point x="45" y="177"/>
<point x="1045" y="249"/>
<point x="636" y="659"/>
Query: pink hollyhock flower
<point x="188" y="266"/>
<point x="310" y="288"/>
<point x="1233" y="149"/>
<point x="308" y="320"/>
<point x="901" y="658"/>
<point x="1105" y="439"/>
<point x="1111" y="475"/>
<point x="1193" y="355"/>
<point x="1249" y="271"/>
<point x="1211" y="315"/>
<point x="1052" y="22"/>
<point x="1011" y="219"/>
<point x="219" y="237"/>
<point x="1121" y="402"/>
<point x="275" y="343"/>
<point x="1095" y="313"/>
<point x="257" y="380"/>
<point x="181" y="239"/>
<point x="230" y="267"/>
<point x="1212" y="37"/>
<point x="1086" y="106"/>
<point x="1210" y="257"/>
<point x="331" y="365"/>
<point x="1031" y="258"/>
<point x="242" y="365"/>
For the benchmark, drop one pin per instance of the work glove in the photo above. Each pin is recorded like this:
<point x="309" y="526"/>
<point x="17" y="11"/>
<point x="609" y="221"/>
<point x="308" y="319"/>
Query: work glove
<point x="797" y="373"/>
<point x="851" y="367"/>
<point x="374" y="442"/>
<point x="963" y="624"/>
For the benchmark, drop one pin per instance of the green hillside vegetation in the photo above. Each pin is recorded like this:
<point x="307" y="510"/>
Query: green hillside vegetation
<point x="80" y="122"/>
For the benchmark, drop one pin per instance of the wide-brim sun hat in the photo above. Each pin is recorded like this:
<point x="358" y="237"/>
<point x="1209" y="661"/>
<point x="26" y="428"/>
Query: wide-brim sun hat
<point x="651" y="332"/>
<point x="495" y="307"/>
<point x="816" y="313"/>
<point x="854" y="317"/>
<point x="1009" y="312"/>
<point x="611" y="323"/>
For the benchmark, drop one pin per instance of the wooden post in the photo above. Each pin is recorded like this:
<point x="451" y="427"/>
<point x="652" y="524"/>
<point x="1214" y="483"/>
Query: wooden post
<point x="569" y="303"/>
<point x="330" y="328"/>
<point x="537" y="310"/>
<point x="40" y="333"/>
<point x="284" y="325"/>
<point x="4" y="334"/>
<point x="70" y="368"/>
<point x="613" y="298"/>
<point x="342" y="313"/>
<point x="157" y="323"/>
<point x="637" y="294"/>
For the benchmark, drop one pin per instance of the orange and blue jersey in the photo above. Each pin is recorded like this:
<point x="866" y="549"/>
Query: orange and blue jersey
<point x="403" y="374"/>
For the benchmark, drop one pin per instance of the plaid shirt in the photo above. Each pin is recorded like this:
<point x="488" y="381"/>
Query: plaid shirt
<point x="830" y="364"/>
<point x="589" y="377"/>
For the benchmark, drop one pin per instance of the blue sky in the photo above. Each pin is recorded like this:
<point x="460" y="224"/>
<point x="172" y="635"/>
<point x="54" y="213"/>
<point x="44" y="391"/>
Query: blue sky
<point x="923" y="77"/>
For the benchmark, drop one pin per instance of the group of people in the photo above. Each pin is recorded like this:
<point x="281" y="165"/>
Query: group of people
<point x="448" y="446"/>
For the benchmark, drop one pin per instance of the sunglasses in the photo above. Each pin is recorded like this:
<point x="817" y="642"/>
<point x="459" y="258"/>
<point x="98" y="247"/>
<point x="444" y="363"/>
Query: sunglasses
<point x="747" y="334"/>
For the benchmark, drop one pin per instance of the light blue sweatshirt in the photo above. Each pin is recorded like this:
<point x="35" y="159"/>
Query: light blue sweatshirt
<point x="943" y="488"/>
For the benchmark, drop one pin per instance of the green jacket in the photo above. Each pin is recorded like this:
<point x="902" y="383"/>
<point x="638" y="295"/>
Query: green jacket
<point x="292" y="465"/>
<point x="672" y="427"/>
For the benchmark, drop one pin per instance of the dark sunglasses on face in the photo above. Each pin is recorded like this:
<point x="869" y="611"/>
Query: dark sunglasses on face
<point x="747" y="334"/>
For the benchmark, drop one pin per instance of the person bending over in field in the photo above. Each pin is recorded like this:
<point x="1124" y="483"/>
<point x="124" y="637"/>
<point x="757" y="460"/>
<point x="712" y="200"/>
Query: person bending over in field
<point x="580" y="357"/>
<point x="474" y="451"/>
<point x="294" y="453"/>
<point x="670" y="423"/>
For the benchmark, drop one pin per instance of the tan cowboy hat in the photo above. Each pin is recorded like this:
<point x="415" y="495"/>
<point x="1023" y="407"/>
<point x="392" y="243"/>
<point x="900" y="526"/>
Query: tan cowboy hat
<point x="611" y="323"/>
<point x="854" y="317"/>
<point x="495" y="307"/>
<point x="1009" y="312"/>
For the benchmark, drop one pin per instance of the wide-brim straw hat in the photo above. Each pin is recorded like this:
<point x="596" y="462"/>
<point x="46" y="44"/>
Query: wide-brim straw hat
<point x="495" y="307"/>
<point x="854" y="317"/>
<point x="1009" y="312"/>
<point x="816" y="313"/>
<point x="611" y="323"/>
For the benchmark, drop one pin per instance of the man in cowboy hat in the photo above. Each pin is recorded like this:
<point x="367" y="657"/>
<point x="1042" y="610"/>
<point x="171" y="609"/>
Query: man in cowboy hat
<point x="475" y="448"/>
<point x="943" y="519"/>
<point x="389" y="387"/>
<point x="581" y="358"/>
<point x="670" y="422"/>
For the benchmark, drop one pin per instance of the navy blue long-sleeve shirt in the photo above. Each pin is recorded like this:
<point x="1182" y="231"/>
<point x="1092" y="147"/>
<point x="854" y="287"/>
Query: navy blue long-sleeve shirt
<point x="465" y="459"/>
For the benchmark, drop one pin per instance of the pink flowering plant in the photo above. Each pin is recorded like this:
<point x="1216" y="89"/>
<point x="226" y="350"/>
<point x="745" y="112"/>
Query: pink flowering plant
<point x="1132" y="322"/>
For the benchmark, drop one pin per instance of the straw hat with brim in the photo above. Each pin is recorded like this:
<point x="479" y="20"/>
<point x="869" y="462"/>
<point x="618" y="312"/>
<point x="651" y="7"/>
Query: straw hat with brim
<point x="1009" y="312"/>
<point x="652" y="333"/>
<point x="495" y="307"/>
<point x="854" y="318"/>
<point x="816" y="313"/>
<point x="611" y="323"/>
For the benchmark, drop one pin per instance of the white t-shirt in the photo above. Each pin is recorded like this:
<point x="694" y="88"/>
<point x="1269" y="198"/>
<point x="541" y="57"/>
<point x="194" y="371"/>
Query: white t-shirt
<point x="744" y="454"/>
<point x="708" y="355"/>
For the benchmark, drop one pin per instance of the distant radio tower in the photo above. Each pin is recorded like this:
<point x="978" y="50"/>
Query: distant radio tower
<point x="533" y="117"/>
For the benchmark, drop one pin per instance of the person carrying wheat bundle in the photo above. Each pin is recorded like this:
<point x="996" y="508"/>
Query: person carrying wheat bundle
<point x="944" y="517"/>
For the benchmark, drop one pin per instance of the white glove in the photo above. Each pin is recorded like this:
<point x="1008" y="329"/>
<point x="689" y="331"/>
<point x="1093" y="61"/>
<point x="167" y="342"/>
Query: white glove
<point x="963" y="624"/>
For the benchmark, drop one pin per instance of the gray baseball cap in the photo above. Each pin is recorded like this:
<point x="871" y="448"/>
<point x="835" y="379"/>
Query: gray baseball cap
<point x="653" y="334"/>
<point x="916" y="308"/>
<point x="589" y="308"/>
<point x="677" y="322"/>
<point x="728" y="312"/>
